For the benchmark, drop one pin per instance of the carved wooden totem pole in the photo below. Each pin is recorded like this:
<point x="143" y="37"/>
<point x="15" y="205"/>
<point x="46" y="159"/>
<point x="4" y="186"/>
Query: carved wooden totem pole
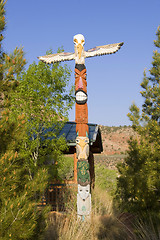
<point x="81" y="115"/>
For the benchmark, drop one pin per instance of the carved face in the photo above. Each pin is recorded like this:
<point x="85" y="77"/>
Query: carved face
<point x="83" y="191"/>
<point x="80" y="80"/>
<point x="79" y="43"/>
<point x="82" y="148"/>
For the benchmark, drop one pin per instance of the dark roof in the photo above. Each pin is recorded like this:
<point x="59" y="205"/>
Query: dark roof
<point x="69" y="132"/>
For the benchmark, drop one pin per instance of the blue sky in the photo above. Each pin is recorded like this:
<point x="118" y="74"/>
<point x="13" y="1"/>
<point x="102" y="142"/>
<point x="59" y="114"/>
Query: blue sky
<point x="113" y="80"/>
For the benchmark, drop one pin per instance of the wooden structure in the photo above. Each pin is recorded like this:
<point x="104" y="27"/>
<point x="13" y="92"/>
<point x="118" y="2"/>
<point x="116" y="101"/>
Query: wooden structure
<point x="59" y="192"/>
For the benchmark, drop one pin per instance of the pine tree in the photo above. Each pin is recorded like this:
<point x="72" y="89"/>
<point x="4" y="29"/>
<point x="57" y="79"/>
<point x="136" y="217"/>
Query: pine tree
<point x="19" y="214"/>
<point x="139" y="182"/>
<point x="2" y="27"/>
<point x="151" y="85"/>
<point x="27" y="108"/>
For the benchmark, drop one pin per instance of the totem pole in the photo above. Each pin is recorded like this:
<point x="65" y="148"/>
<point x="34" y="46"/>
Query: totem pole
<point x="81" y="115"/>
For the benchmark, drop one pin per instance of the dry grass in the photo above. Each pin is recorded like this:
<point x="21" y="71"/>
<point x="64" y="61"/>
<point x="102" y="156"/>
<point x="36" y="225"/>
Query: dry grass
<point x="64" y="227"/>
<point x="148" y="230"/>
<point x="102" y="225"/>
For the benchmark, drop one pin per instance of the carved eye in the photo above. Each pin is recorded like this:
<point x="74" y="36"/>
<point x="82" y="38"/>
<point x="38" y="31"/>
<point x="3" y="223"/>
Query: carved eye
<point x="82" y="41"/>
<point x="75" y="41"/>
<point x="77" y="141"/>
<point x="80" y="190"/>
<point x="86" y="140"/>
<point x="86" y="190"/>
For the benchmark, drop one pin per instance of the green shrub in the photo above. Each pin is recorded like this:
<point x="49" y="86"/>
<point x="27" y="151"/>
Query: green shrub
<point x="106" y="178"/>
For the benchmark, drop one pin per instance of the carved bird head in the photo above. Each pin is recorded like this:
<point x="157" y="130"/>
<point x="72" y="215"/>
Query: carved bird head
<point x="82" y="148"/>
<point x="79" y="42"/>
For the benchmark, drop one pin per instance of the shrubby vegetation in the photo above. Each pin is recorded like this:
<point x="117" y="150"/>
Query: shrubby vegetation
<point x="66" y="168"/>
<point x="106" y="178"/>
<point x="30" y="102"/>
<point x="138" y="188"/>
<point x="107" y="129"/>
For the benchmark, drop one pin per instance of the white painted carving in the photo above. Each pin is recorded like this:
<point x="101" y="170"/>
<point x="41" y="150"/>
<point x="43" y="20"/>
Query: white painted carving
<point x="83" y="200"/>
<point x="79" y="55"/>
<point x="79" y="42"/>
<point x="83" y="191"/>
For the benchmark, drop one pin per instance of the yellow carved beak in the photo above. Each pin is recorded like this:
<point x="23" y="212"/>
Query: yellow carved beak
<point x="79" y="49"/>
<point x="82" y="144"/>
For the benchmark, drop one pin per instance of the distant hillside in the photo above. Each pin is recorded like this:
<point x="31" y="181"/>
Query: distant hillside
<point x="115" y="144"/>
<point x="115" y="139"/>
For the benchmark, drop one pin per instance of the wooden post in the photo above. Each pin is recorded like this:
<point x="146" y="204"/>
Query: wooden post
<point x="82" y="144"/>
<point x="75" y="168"/>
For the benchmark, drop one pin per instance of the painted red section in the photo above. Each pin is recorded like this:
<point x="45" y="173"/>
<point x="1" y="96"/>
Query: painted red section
<point x="81" y="115"/>
<point x="80" y="76"/>
<point x="81" y="110"/>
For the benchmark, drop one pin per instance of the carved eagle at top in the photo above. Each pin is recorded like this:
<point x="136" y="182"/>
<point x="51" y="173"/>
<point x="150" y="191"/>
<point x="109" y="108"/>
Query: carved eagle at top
<point x="80" y="54"/>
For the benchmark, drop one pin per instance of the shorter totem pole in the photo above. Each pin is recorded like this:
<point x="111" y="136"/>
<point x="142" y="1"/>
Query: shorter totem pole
<point x="81" y="115"/>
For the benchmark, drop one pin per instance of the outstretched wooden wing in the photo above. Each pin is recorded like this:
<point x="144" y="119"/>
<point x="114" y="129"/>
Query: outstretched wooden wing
<point x="57" y="57"/>
<point x="102" y="50"/>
